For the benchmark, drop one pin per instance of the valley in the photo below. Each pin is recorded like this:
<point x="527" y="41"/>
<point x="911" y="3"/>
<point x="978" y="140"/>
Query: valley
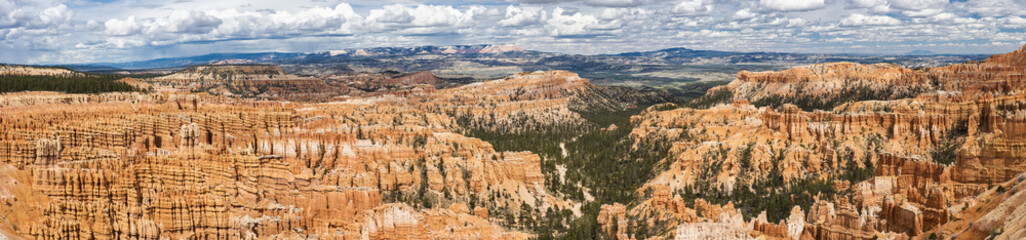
<point x="284" y="149"/>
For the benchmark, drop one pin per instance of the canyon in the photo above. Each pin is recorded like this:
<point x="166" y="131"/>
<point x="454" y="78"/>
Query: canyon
<point x="177" y="164"/>
<point x="931" y="153"/>
<point x="825" y="151"/>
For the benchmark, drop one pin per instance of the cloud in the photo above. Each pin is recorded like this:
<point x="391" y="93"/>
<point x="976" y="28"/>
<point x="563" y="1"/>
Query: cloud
<point x="910" y="8"/>
<point x="917" y="4"/>
<point x="6" y="7"/>
<point x="693" y="7"/>
<point x="597" y="3"/>
<point x="193" y="22"/>
<point x="923" y="12"/>
<point x="863" y="20"/>
<point x="117" y="27"/>
<point x="1015" y="22"/>
<point x="391" y="14"/>
<point x="869" y="3"/>
<point x="15" y="17"/>
<point x="517" y="16"/>
<point x="420" y="16"/>
<point x="185" y="26"/>
<point x="564" y="23"/>
<point x="993" y="8"/>
<point x="744" y="14"/>
<point x="45" y="30"/>
<point x="614" y="3"/>
<point x="877" y="6"/>
<point x="792" y="5"/>
<point x="49" y="18"/>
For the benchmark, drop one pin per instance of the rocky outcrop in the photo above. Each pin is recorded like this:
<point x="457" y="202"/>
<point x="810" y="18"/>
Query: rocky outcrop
<point x="524" y="102"/>
<point x="825" y="85"/>
<point x="21" y="70"/>
<point x="938" y="140"/>
<point x="727" y="226"/>
<point x="211" y="74"/>
<point x="168" y="165"/>
<point x="260" y="81"/>
<point x="40" y="98"/>
<point x="613" y="219"/>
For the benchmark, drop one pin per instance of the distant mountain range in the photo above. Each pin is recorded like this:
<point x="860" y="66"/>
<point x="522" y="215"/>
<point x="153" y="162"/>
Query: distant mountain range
<point x="492" y="61"/>
<point x="920" y="52"/>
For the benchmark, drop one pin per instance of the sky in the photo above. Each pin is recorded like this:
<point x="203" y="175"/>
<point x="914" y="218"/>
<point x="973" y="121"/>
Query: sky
<point x="91" y="31"/>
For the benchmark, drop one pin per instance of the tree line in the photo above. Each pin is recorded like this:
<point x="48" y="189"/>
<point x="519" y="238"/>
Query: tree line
<point x="86" y="83"/>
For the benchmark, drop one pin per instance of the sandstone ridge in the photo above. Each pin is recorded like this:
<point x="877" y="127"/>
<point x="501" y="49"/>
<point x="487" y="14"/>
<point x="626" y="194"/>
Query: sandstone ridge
<point x="875" y="151"/>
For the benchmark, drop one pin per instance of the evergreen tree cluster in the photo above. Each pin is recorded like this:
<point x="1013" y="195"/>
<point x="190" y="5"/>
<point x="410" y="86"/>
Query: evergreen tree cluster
<point x="599" y="160"/>
<point x="79" y="83"/>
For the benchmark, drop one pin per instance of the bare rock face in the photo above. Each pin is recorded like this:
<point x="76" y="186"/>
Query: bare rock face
<point x="938" y="142"/>
<point x="614" y="221"/>
<point x="167" y="165"/>
<point x="1006" y="220"/>
<point x="261" y="81"/>
<point x="48" y="151"/>
<point x="19" y="70"/>
<point x="829" y="81"/>
<point x="228" y="73"/>
<point x="39" y="98"/>
<point x="727" y="226"/>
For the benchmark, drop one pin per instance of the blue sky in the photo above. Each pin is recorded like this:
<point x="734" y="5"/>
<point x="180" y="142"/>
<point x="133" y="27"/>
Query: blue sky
<point x="85" y="31"/>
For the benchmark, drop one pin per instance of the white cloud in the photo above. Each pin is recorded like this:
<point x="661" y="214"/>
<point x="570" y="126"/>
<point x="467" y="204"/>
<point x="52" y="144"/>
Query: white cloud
<point x="517" y="16"/>
<point x="193" y="22"/>
<point x="923" y="12"/>
<point x="564" y="23"/>
<point x="863" y="20"/>
<point x="420" y="16"/>
<point x="919" y="8"/>
<point x="949" y="18"/>
<point x="18" y="18"/>
<point x="6" y="7"/>
<point x="792" y="5"/>
<point x="693" y="7"/>
<point x="341" y="18"/>
<point x="1015" y="22"/>
<point x="597" y="3"/>
<point x="744" y="14"/>
<point x="183" y="25"/>
<point x="128" y="29"/>
<point x="877" y="6"/>
<point x="918" y="4"/>
<point x="391" y="14"/>
<point x="869" y="3"/>
<point x="911" y="8"/>
<point x="125" y="27"/>
<point x="796" y="22"/>
<point x="994" y="8"/>
<point x="53" y="17"/>
<point x="613" y="3"/>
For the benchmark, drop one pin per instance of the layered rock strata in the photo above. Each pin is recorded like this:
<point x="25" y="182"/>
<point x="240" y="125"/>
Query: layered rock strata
<point x="938" y="140"/>
<point x="167" y="165"/>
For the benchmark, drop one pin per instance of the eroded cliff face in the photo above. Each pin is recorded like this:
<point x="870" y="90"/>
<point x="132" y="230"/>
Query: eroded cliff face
<point x="228" y="73"/>
<point x="167" y="165"/>
<point x="916" y="161"/>
<point x="826" y="85"/>
<point x="20" y="70"/>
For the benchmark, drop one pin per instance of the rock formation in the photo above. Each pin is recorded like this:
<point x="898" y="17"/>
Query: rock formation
<point x="261" y="81"/>
<point x="923" y="147"/>
<point x="21" y="70"/>
<point x="827" y="151"/>
<point x="172" y="165"/>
